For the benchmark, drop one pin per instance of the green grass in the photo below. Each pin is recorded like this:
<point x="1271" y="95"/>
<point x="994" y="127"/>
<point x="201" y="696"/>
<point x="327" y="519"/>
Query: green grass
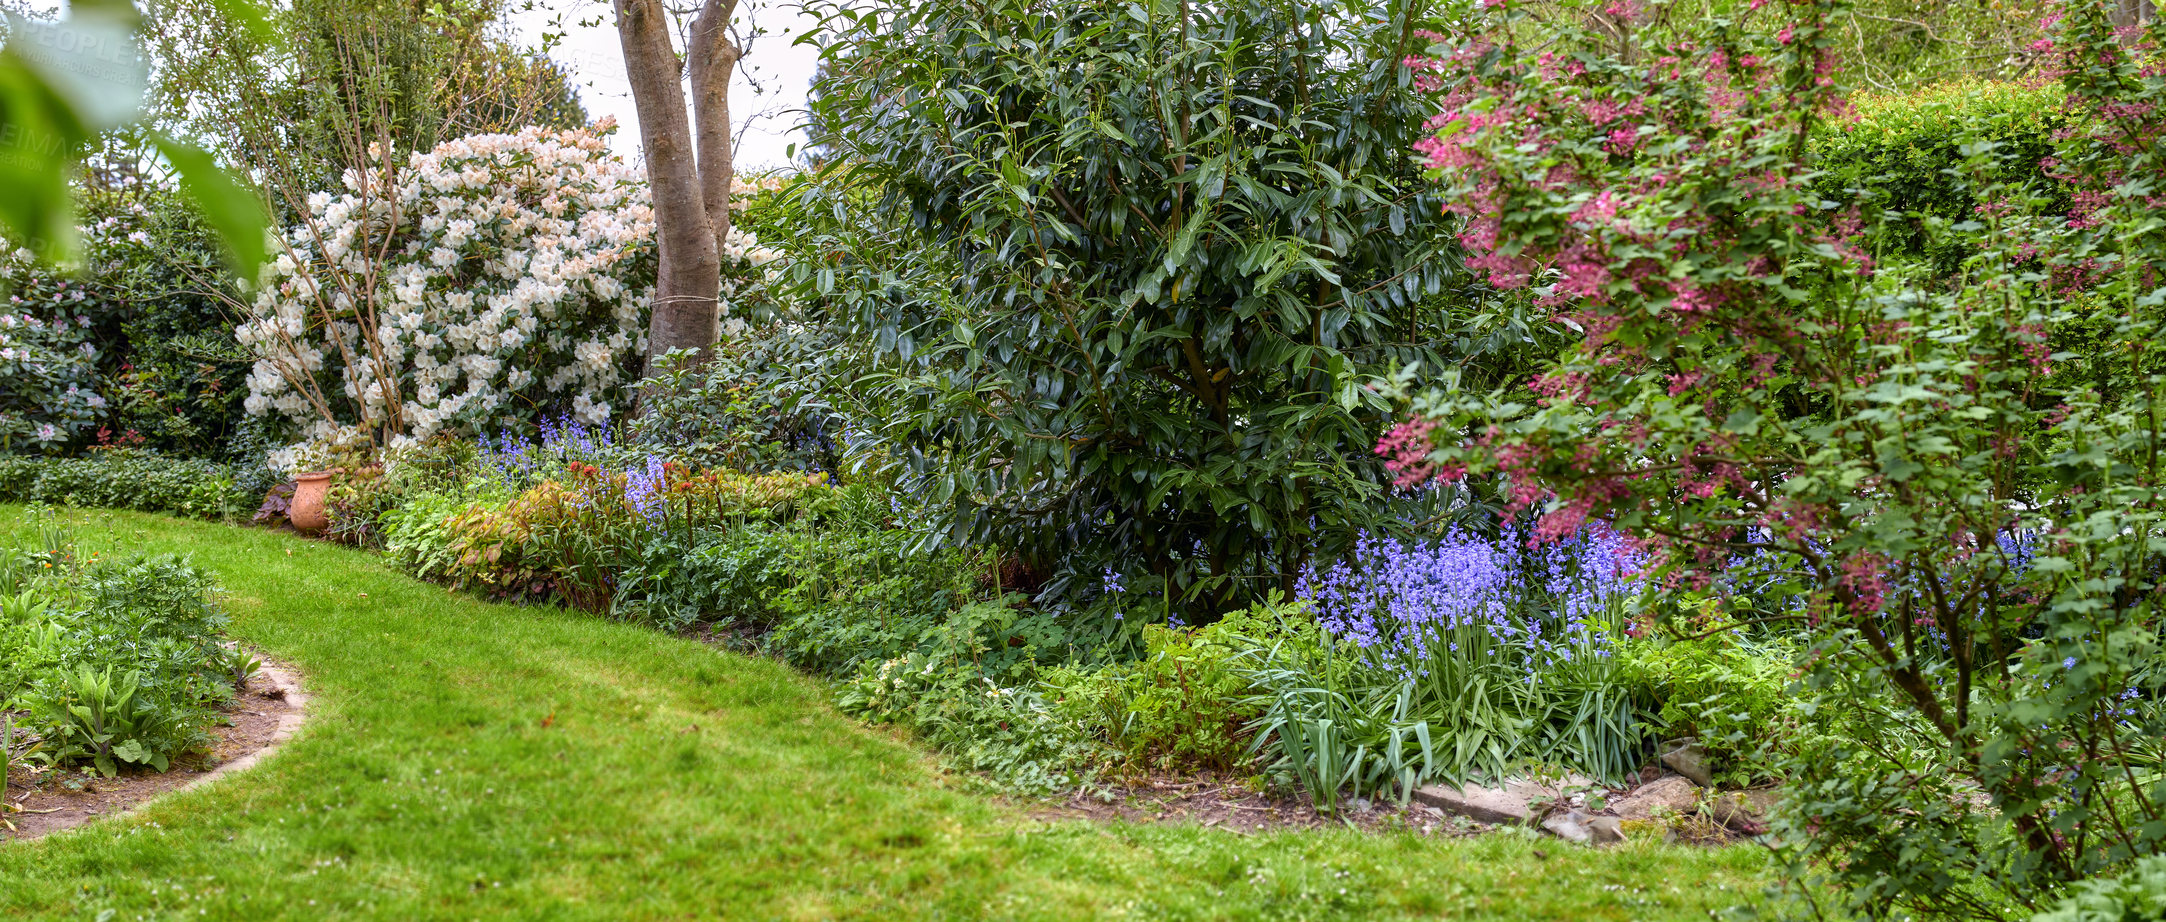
<point x="680" y="782"/>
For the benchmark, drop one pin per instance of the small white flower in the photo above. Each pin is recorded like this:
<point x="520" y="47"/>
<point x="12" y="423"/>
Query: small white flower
<point x="563" y="235"/>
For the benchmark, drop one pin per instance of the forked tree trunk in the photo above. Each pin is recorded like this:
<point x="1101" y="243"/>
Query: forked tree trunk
<point x="2131" y="15"/>
<point x="712" y="59"/>
<point x="690" y="181"/>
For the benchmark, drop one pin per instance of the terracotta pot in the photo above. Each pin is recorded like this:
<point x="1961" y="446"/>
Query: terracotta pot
<point x="309" y="492"/>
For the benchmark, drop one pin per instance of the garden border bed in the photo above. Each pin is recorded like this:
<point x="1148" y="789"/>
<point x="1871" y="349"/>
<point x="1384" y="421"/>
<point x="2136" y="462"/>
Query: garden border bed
<point x="264" y="716"/>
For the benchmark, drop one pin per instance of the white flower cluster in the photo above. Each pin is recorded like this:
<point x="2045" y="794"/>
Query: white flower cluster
<point x="49" y="372"/>
<point x="505" y="277"/>
<point x="744" y="262"/>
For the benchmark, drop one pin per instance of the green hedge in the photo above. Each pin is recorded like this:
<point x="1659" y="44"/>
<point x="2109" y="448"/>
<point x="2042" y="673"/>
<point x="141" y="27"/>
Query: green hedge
<point x="2138" y="894"/>
<point x="1902" y="151"/>
<point x="133" y="480"/>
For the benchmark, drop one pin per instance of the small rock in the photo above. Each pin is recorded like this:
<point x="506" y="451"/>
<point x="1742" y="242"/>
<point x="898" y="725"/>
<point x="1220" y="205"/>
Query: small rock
<point x="1512" y="803"/>
<point x="1570" y="826"/>
<point x="1690" y="760"/>
<point x="1673" y="793"/>
<point x="1744" y="811"/>
<point x="1489" y="805"/>
<point x="1607" y="830"/>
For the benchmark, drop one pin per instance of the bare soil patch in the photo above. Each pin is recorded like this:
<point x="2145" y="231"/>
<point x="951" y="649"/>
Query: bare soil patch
<point x="265" y="714"/>
<point x="1237" y="807"/>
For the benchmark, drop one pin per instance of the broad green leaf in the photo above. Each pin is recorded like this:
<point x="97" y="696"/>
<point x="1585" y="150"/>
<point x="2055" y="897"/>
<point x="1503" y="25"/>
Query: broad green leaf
<point x="230" y="208"/>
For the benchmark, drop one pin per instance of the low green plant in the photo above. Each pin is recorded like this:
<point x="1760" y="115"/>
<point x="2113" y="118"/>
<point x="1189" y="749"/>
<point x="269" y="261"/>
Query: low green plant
<point x="1185" y="707"/>
<point x="90" y="714"/>
<point x="116" y="661"/>
<point x="491" y="550"/>
<point x="858" y="589"/>
<point x="1732" y="694"/>
<point x="238" y="665"/>
<point x="2135" y="895"/>
<point x="27" y="644"/>
<point x="421" y="535"/>
<point x="357" y="501"/>
<point x="724" y="575"/>
<point x="130" y="479"/>
<point x="24" y="606"/>
<point x="967" y="692"/>
<point x="15" y="568"/>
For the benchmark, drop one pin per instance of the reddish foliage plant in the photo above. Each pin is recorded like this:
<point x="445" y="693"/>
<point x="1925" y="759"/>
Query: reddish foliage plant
<point x="1954" y="476"/>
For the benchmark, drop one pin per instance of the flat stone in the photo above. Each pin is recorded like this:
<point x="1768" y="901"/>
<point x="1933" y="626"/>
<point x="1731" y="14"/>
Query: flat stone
<point x="1512" y="802"/>
<point x="1745" y="811"/>
<point x="1673" y="794"/>
<point x="1570" y="826"/>
<point x="1607" y="830"/>
<point x="1585" y="829"/>
<point x="1689" y="759"/>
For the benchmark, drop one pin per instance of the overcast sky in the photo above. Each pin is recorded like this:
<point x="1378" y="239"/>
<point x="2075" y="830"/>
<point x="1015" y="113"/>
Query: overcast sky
<point x="590" y="51"/>
<point x="778" y="70"/>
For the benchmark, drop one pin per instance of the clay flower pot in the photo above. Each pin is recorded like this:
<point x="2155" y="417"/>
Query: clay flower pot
<point x="310" y="490"/>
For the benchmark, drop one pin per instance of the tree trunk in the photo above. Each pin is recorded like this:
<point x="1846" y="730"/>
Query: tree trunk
<point x="684" y="314"/>
<point x="712" y="58"/>
<point x="2129" y="16"/>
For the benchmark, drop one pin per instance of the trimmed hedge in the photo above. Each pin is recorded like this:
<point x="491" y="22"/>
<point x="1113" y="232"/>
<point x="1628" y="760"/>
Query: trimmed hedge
<point x="1901" y="150"/>
<point x="139" y="480"/>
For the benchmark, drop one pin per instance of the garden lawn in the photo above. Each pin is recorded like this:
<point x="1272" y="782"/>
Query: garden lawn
<point x="479" y="761"/>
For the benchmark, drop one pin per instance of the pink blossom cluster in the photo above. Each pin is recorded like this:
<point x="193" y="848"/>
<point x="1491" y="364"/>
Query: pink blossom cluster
<point x="1406" y="450"/>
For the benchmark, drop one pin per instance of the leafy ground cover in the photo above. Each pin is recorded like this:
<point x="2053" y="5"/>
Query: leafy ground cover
<point x="467" y="759"/>
<point x="108" y="662"/>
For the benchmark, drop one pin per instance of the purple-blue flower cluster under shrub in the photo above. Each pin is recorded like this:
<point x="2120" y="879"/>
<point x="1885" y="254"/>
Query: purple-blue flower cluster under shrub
<point x="1407" y="605"/>
<point x="1456" y="658"/>
<point x="521" y="461"/>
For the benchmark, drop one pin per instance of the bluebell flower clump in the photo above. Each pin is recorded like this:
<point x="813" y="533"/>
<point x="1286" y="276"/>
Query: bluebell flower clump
<point x="521" y="461"/>
<point x="1464" y="597"/>
<point x="644" y="487"/>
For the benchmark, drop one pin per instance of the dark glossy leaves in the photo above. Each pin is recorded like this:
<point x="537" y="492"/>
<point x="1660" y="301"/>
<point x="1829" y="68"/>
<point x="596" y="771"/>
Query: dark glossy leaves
<point x="1130" y="277"/>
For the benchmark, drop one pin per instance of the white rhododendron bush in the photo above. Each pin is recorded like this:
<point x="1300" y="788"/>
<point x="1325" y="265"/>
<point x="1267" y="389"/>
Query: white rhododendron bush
<point x="492" y="282"/>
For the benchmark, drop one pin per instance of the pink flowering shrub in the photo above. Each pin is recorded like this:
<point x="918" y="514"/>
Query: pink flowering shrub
<point x="48" y="360"/>
<point x="1967" y="506"/>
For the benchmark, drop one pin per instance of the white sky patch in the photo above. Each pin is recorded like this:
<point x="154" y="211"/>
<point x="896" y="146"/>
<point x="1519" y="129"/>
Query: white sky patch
<point x="770" y="84"/>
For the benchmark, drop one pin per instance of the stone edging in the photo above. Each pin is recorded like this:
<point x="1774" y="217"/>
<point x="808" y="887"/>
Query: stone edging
<point x="295" y="697"/>
<point x="289" y="723"/>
